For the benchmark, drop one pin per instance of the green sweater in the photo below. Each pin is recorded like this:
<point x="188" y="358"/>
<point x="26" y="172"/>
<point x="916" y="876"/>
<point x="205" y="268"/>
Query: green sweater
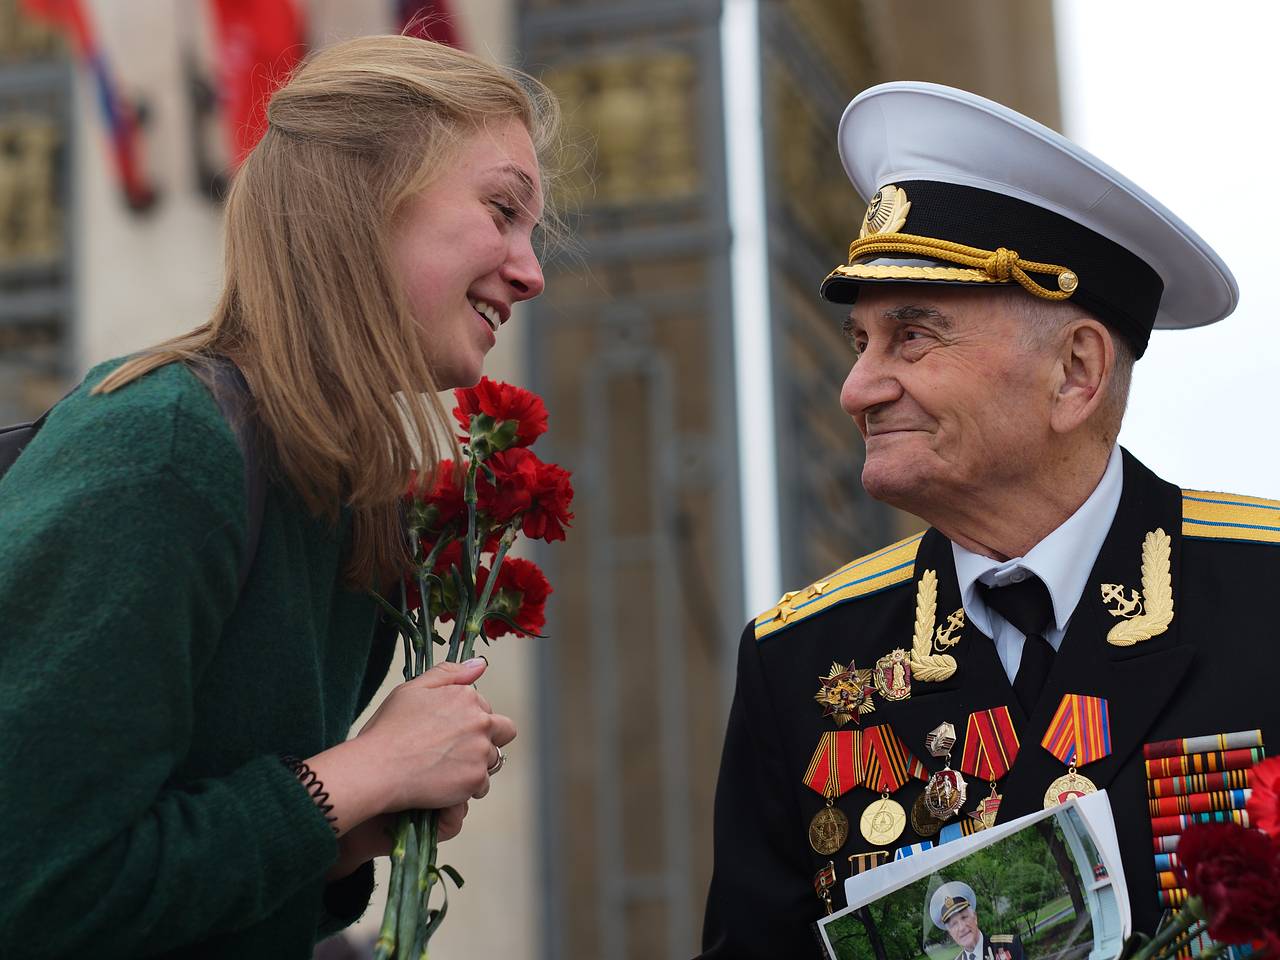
<point x="143" y="704"/>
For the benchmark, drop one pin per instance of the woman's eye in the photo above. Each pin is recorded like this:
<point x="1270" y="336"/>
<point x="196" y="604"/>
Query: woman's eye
<point x="507" y="210"/>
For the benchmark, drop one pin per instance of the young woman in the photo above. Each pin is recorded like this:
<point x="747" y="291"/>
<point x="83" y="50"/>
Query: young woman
<point x="376" y="241"/>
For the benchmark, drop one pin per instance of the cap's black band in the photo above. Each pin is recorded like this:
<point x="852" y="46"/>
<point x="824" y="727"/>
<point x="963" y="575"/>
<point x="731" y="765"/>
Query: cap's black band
<point x="1116" y="286"/>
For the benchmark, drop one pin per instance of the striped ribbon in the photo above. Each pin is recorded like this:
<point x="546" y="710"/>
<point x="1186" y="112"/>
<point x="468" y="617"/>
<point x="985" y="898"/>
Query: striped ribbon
<point x="964" y="827"/>
<point x="1199" y="802"/>
<point x="1080" y="731"/>
<point x="887" y="762"/>
<point x="911" y="849"/>
<point x="1167" y="844"/>
<point x="1243" y="739"/>
<point x="1204" y="763"/>
<point x="990" y="744"/>
<point x="837" y="765"/>
<point x="1165" y="826"/>
<point x="1200" y="783"/>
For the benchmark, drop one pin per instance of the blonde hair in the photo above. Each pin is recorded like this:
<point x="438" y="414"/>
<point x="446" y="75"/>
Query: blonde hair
<point x="312" y="310"/>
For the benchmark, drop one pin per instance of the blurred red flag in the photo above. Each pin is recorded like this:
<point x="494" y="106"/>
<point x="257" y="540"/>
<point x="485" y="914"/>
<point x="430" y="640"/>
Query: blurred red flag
<point x="259" y="42"/>
<point x="429" y="20"/>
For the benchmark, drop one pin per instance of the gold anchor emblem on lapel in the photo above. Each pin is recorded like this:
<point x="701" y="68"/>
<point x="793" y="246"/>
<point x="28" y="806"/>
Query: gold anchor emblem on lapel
<point x="926" y="665"/>
<point x="1146" y="613"/>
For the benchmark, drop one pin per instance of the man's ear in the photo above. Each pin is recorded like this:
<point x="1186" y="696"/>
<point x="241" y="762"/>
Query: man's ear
<point x="1085" y="362"/>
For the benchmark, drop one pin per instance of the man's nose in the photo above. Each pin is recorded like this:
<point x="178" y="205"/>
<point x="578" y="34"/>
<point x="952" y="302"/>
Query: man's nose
<point x="869" y="384"/>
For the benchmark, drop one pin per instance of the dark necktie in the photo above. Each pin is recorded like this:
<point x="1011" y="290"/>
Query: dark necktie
<point x="1027" y="607"/>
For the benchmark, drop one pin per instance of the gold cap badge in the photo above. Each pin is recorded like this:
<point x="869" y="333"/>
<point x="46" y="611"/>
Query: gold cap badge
<point x="887" y="212"/>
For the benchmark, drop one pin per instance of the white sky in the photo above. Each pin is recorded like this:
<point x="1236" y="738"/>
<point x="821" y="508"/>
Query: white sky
<point x="1181" y="97"/>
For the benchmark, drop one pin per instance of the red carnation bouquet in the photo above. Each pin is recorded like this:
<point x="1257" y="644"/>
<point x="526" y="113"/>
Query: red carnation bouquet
<point x="1232" y="876"/>
<point x="462" y="520"/>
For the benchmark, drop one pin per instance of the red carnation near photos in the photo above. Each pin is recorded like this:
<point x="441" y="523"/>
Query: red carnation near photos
<point x="502" y="401"/>
<point x="524" y="484"/>
<point x="1233" y="870"/>
<point x="1264" y="803"/>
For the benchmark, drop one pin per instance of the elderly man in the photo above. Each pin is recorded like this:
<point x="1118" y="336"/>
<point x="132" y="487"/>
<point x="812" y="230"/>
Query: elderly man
<point x="954" y="908"/>
<point x="1066" y="607"/>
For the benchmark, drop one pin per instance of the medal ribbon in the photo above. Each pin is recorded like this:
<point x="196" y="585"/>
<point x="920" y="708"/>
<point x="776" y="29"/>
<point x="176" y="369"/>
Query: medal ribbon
<point x="1080" y="731"/>
<point x="887" y="762"/>
<point x="837" y="765"/>
<point x="990" y="744"/>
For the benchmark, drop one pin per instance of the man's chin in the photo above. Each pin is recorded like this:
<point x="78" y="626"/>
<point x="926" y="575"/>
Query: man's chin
<point x="891" y="480"/>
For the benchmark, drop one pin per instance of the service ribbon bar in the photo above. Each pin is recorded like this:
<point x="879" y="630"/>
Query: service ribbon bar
<point x="1200" y="783"/>
<point x="1080" y="731"/>
<point x="1166" y="826"/>
<point x="990" y="744"/>
<point x="1173" y="898"/>
<point x="887" y="762"/>
<point x="1242" y="740"/>
<point x="836" y="766"/>
<point x="1166" y="861"/>
<point x="1199" y="802"/>
<point x="1204" y="763"/>
<point x="1167" y="844"/>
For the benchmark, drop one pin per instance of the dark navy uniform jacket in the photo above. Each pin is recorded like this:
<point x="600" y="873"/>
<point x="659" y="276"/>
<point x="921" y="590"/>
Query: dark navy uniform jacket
<point x="1214" y="669"/>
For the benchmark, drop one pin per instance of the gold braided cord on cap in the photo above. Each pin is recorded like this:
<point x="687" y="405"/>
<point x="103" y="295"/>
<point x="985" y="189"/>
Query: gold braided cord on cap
<point x="999" y="265"/>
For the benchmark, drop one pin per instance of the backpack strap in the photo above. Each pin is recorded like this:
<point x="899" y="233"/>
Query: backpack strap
<point x="231" y="393"/>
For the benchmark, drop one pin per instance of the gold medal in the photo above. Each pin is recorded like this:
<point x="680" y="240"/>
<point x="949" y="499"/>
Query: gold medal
<point x="923" y="822"/>
<point x="1070" y="784"/>
<point x="828" y="830"/>
<point x="945" y="794"/>
<point x="883" y="821"/>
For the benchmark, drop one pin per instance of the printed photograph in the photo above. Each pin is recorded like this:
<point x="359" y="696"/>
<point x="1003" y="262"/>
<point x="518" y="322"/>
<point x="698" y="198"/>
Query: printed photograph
<point x="1042" y="893"/>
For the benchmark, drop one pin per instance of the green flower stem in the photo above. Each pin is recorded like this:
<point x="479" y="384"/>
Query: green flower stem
<point x="385" y="945"/>
<point x="475" y="622"/>
<point x="407" y="923"/>
<point x="1191" y="933"/>
<point x="406" y="637"/>
<point x="1187" y="917"/>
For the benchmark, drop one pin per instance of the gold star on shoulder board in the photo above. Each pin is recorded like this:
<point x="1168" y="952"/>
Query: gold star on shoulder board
<point x="845" y="694"/>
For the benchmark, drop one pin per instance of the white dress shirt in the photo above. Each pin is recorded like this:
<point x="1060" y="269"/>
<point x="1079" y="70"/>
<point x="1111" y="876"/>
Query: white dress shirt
<point x="975" y="953"/>
<point x="1062" y="560"/>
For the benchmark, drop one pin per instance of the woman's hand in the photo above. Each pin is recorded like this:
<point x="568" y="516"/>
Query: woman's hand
<point x="377" y="836"/>
<point x="428" y="746"/>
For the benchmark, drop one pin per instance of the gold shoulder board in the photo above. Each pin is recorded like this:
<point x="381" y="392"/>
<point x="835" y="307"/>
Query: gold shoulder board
<point x="1229" y="516"/>
<point x="867" y="575"/>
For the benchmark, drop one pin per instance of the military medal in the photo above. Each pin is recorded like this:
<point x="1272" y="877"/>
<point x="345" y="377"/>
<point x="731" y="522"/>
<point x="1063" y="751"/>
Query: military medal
<point x="888" y="767"/>
<point x="836" y="767"/>
<point x="893" y="675"/>
<point x="823" y="881"/>
<point x="1079" y="733"/>
<point x="945" y="792"/>
<point x="845" y="694"/>
<point x="990" y="748"/>
<point x="862" y="862"/>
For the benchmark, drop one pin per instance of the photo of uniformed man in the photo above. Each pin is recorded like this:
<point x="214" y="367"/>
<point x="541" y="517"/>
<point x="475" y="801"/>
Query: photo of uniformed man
<point x="953" y="908"/>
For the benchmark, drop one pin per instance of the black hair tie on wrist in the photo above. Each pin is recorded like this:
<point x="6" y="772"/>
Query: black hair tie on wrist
<point x="314" y="786"/>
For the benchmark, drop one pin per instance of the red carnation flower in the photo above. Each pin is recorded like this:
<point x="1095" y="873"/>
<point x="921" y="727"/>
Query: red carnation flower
<point x="520" y="593"/>
<point x="503" y="402"/>
<point x="515" y="474"/>
<point x="1233" y="870"/>
<point x="437" y="504"/>
<point x="549" y="513"/>
<point x="1264" y="802"/>
<point x="450" y="555"/>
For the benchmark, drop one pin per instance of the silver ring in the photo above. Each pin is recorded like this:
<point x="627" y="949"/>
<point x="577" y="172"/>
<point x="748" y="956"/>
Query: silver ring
<point x="497" y="764"/>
